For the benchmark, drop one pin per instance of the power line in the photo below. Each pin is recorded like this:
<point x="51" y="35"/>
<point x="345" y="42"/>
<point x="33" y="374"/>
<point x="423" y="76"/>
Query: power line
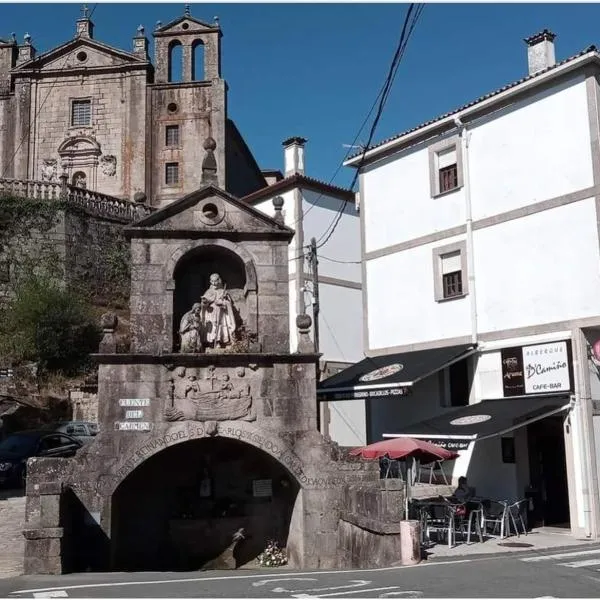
<point x="407" y="29"/>
<point x="35" y="116"/>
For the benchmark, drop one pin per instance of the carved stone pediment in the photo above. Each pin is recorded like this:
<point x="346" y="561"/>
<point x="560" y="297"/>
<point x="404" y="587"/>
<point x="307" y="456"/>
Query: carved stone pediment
<point x="79" y="149"/>
<point x="210" y="394"/>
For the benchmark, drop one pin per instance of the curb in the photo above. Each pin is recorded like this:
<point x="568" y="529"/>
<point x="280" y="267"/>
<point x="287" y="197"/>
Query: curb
<point x="506" y="553"/>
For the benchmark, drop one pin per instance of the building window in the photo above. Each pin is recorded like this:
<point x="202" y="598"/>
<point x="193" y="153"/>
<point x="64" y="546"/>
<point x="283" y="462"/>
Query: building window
<point x="81" y="113"/>
<point x="451" y="274"/>
<point x="450" y="271"/>
<point x="172" y="173"/>
<point x="445" y="166"/>
<point x="172" y="135"/>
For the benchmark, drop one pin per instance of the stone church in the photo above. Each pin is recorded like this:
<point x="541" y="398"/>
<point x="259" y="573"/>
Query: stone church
<point x="113" y="122"/>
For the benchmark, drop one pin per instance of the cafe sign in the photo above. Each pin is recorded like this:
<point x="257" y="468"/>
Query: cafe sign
<point x="538" y="369"/>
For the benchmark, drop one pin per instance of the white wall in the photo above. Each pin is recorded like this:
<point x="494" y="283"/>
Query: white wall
<point x="400" y="300"/>
<point x="340" y="323"/>
<point x="531" y="151"/>
<point x="397" y="202"/>
<point x="343" y="245"/>
<point x="347" y="424"/>
<point x="538" y="269"/>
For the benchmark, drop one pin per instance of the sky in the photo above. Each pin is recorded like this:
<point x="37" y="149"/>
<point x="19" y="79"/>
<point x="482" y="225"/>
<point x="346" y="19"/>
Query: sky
<point x="314" y="70"/>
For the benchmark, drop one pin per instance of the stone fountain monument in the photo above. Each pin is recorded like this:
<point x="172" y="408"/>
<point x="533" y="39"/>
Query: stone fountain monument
<point x="208" y="424"/>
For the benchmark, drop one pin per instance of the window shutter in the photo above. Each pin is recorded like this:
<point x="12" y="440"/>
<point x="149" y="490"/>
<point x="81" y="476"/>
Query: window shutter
<point x="446" y="158"/>
<point x="451" y="262"/>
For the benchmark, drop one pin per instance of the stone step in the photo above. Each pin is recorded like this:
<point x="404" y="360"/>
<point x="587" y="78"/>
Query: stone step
<point x="12" y="542"/>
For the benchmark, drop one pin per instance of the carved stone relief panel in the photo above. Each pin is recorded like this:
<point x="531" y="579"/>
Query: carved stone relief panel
<point x="210" y="394"/>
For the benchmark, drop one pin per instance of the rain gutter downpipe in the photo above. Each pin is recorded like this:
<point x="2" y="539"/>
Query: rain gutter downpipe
<point x="464" y="138"/>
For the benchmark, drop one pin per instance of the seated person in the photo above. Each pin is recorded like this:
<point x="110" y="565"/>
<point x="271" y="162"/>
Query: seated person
<point x="463" y="493"/>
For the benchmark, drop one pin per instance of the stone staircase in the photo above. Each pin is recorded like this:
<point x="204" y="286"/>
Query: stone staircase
<point x="12" y="542"/>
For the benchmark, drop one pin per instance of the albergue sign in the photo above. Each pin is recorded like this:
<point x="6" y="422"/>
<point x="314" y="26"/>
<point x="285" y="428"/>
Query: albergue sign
<point x="537" y="369"/>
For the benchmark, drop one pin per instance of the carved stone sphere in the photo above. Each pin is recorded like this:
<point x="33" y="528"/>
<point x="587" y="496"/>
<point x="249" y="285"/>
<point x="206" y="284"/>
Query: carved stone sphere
<point x="209" y="144"/>
<point x="303" y="322"/>
<point x="139" y="197"/>
<point x="278" y="202"/>
<point x="109" y="321"/>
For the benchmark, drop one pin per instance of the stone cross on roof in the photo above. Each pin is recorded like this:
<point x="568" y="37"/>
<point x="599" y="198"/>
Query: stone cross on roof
<point x="186" y="11"/>
<point x="84" y="11"/>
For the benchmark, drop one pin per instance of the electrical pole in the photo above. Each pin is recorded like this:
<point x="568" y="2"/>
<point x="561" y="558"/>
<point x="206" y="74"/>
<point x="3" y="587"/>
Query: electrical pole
<point x="314" y="263"/>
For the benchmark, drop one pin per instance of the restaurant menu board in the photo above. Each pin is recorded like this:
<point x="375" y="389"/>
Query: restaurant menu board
<point x="538" y="369"/>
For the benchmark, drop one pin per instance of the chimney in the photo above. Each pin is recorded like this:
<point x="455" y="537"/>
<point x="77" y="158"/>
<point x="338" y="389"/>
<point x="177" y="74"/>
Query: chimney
<point x="26" y="50"/>
<point x="293" y="155"/>
<point x="140" y="44"/>
<point x="540" y="51"/>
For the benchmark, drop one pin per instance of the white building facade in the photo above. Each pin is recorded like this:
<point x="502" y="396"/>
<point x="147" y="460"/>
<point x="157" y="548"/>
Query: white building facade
<point x="480" y="232"/>
<point x="310" y="207"/>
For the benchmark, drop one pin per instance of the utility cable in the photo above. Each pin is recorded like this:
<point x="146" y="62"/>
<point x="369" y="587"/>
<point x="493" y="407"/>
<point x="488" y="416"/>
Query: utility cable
<point x="408" y="26"/>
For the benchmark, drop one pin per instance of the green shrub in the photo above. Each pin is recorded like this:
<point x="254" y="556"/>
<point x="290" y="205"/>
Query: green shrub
<point x="49" y="325"/>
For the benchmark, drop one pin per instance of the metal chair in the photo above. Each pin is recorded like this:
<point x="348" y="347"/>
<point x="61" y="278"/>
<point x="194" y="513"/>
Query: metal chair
<point x="497" y="514"/>
<point x="516" y="510"/>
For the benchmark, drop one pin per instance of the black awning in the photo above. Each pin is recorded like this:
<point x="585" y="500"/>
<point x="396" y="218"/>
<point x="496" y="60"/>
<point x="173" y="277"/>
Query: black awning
<point x="487" y="418"/>
<point x="389" y="375"/>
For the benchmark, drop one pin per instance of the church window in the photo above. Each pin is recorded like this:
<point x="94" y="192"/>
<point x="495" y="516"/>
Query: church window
<point x="81" y="113"/>
<point x="172" y="173"/>
<point x="172" y="135"/>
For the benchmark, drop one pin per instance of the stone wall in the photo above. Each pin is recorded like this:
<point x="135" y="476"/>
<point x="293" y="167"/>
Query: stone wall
<point x="97" y="258"/>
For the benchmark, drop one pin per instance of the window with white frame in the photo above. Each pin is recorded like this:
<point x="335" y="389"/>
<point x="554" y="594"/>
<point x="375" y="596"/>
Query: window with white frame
<point x="450" y="272"/>
<point x="445" y="166"/>
<point x="81" y="113"/>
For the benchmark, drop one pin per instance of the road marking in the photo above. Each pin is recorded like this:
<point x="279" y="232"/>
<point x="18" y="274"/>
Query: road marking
<point x="232" y="577"/>
<point x="353" y="583"/>
<point x="56" y="594"/>
<point x="391" y="587"/>
<point x="266" y="581"/>
<point x="581" y="563"/>
<point x="559" y="556"/>
<point x="405" y="594"/>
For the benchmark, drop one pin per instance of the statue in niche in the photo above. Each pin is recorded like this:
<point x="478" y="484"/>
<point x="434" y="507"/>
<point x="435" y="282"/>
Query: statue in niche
<point x="218" y="318"/>
<point x="190" y="330"/>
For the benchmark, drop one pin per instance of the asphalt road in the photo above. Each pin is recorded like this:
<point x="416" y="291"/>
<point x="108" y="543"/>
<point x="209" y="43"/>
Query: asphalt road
<point x="573" y="573"/>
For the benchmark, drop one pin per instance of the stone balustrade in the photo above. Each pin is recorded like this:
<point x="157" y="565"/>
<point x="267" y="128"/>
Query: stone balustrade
<point x="91" y="202"/>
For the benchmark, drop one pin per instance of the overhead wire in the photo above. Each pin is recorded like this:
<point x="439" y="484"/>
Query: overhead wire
<point x="39" y="110"/>
<point x="408" y="26"/>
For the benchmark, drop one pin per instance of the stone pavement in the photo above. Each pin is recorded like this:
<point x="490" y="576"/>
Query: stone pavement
<point x="12" y="542"/>
<point x="543" y="538"/>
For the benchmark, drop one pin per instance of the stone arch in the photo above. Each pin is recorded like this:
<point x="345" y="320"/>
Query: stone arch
<point x="270" y="442"/>
<point x="177" y="472"/>
<point x="250" y="286"/>
<point x="174" y="54"/>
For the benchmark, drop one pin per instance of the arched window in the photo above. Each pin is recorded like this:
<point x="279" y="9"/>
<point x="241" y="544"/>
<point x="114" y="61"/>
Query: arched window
<point x="175" y="61"/>
<point x="79" y="180"/>
<point x="198" y="61"/>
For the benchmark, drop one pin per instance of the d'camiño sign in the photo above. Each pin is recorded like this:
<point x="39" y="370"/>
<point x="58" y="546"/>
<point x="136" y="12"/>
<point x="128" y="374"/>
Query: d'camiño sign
<point x="539" y="369"/>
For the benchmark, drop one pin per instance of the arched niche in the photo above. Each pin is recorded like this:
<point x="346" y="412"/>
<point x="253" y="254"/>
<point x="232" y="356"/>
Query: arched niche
<point x="189" y="272"/>
<point x="198" y="53"/>
<point x="175" y="61"/>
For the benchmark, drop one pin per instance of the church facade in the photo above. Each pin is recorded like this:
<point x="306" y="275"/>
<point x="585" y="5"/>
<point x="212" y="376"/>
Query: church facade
<point x="114" y="122"/>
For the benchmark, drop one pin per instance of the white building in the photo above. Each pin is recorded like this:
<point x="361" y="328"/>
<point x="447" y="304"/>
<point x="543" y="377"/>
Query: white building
<point x="481" y="275"/>
<point x="310" y="207"/>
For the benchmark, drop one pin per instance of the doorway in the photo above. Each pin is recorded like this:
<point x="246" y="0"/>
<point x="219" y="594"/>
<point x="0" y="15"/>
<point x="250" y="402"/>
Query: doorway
<point x="548" y="473"/>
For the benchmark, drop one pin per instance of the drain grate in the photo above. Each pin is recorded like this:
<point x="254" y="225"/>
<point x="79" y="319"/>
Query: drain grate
<point x="515" y="545"/>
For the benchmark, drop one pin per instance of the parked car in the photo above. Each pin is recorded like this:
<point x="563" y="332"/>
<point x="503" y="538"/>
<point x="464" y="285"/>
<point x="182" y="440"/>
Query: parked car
<point x="81" y="430"/>
<point x="18" y="447"/>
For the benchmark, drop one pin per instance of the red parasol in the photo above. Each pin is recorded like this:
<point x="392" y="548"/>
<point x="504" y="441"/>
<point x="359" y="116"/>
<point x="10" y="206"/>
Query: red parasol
<point x="404" y="447"/>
